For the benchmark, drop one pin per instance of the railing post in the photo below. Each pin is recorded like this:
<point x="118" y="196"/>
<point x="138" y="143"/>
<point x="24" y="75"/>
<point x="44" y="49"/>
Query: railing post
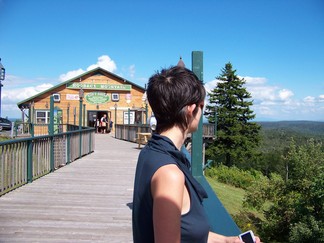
<point x="90" y="141"/>
<point x="68" y="114"/>
<point x="51" y="133"/>
<point x="80" y="127"/>
<point x="83" y="115"/>
<point x="197" y="137"/>
<point x="30" y="161"/>
<point x="68" y="150"/>
<point x="219" y="219"/>
<point x="74" y="114"/>
<point x="31" y="122"/>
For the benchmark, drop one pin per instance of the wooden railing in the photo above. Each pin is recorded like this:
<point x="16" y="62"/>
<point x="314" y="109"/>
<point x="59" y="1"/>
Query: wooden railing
<point x="129" y="132"/>
<point x="33" y="129"/>
<point x="26" y="159"/>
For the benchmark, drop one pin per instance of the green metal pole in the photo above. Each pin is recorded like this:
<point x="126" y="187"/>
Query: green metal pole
<point x="51" y="133"/>
<point x="197" y="137"/>
<point x="218" y="217"/>
<point x="80" y="127"/>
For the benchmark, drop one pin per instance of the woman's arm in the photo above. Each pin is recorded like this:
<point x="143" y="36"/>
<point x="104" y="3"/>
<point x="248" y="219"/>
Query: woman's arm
<point x="167" y="187"/>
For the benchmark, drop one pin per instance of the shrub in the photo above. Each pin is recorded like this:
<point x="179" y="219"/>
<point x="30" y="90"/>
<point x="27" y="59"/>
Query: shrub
<point x="233" y="176"/>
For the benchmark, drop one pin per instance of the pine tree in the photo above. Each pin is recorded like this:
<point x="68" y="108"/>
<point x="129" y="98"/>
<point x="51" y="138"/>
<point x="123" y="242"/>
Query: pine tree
<point x="237" y="137"/>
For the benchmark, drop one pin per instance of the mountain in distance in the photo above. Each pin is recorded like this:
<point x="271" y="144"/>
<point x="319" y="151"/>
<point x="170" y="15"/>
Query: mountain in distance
<point x="315" y="128"/>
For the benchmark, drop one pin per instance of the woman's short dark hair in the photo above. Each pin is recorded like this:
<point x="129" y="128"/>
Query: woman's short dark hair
<point x="169" y="92"/>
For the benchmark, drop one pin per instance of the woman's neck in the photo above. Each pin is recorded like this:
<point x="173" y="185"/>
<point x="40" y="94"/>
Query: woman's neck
<point x="176" y="135"/>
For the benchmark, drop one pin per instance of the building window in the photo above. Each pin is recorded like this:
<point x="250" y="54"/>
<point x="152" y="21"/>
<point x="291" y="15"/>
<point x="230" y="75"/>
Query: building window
<point x="42" y="117"/>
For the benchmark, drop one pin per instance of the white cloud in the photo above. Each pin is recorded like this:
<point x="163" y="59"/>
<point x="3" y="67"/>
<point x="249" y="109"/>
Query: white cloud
<point x="19" y="94"/>
<point x="263" y="92"/>
<point x="285" y="94"/>
<point x="71" y="74"/>
<point x="274" y="102"/>
<point x="309" y="99"/>
<point x="254" y="80"/>
<point x="10" y="98"/>
<point x="259" y="90"/>
<point x="209" y="86"/>
<point x="18" y="89"/>
<point x="104" y="62"/>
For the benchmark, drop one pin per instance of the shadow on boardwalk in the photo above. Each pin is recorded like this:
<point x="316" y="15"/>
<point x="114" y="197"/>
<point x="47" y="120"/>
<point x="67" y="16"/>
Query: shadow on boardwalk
<point x="86" y="201"/>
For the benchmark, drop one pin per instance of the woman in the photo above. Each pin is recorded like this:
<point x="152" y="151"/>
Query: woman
<point x="103" y="123"/>
<point x="167" y="200"/>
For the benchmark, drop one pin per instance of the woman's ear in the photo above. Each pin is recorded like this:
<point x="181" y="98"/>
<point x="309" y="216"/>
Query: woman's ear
<point x="191" y="108"/>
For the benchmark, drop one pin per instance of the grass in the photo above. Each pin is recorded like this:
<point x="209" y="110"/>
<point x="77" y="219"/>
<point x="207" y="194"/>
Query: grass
<point x="232" y="198"/>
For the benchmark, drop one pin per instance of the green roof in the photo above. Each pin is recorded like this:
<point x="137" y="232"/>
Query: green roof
<point x="98" y="69"/>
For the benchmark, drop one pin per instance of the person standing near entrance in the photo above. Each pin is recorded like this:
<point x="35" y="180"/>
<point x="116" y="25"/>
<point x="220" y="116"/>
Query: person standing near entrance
<point x="103" y="123"/>
<point x="167" y="199"/>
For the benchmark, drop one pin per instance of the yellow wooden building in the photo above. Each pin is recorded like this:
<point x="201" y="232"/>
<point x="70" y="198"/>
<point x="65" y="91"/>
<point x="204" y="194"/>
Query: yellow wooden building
<point x="103" y="93"/>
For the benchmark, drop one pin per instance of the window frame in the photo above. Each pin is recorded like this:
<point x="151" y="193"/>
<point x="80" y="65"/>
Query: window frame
<point x="44" y="119"/>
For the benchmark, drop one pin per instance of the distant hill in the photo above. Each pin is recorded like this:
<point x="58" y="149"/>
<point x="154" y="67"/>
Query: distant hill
<point x="309" y="128"/>
<point x="276" y="136"/>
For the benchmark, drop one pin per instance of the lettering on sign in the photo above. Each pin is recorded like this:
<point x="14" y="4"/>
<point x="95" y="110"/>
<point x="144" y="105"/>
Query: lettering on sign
<point x="97" y="98"/>
<point x="123" y="87"/>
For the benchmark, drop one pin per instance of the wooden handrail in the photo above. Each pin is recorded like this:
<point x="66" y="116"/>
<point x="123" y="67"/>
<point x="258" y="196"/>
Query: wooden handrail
<point x="26" y="159"/>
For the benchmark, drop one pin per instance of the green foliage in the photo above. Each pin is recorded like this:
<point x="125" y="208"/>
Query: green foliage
<point x="307" y="230"/>
<point x="262" y="191"/>
<point x="234" y="176"/>
<point x="237" y="137"/>
<point x="247" y="220"/>
<point x="275" y="142"/>
<point x="296" y="212"/>
<point x="231" y="197"/>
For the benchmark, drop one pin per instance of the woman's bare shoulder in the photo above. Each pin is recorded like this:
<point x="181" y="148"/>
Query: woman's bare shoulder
<point x="166" y="177"/>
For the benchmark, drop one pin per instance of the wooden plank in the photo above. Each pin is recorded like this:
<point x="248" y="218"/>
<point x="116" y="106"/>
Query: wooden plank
<point x="88" y="200"/>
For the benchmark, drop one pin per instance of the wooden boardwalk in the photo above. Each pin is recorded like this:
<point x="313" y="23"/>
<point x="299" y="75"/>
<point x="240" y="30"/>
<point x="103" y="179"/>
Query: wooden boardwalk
<point x="88" y="200"/>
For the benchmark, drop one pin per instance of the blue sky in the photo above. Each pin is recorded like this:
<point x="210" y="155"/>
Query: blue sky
<point x="277" y="46"/>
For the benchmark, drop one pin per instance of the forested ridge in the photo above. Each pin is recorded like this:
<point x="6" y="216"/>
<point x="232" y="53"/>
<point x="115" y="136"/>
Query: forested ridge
<point x="312" y="129"/>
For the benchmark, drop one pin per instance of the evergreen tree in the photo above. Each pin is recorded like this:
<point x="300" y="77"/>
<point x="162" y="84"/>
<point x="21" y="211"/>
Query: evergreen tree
<point x="237" y="137"/>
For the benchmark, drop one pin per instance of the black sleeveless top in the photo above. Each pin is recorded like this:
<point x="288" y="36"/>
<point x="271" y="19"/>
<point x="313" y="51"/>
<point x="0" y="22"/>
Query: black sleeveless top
<point x="158" y="152"/>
